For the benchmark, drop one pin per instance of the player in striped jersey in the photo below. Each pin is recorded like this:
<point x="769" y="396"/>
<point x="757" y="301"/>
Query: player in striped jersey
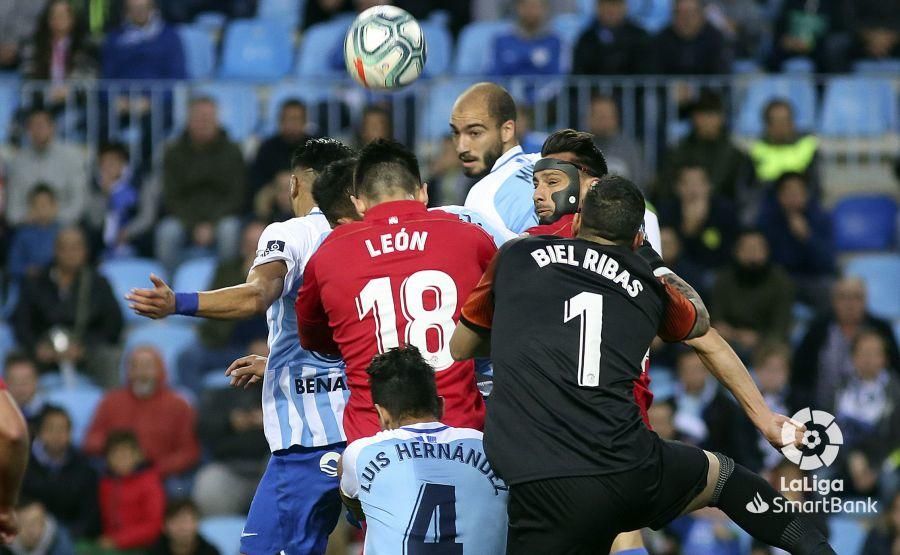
<point x="296" y="505"/>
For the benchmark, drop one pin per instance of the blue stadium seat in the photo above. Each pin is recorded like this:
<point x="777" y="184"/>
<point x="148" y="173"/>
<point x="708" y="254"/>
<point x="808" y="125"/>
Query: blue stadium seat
<point x="569" y="26"/>
<point x="288" y="11"/>
<point x="888" y="67"/>
<point x="846" y="535"/>
<point x="195" y="275"/>
<point x="224" y="532"/>
<point x="238" y="107"/>
<point x="55" y="380"/>
<point x="321" y="45"/>
<point x="799" y="91"/>
<point x="880" y="272"/>
<point x="124" y="274"/>
<point x="859" y="107"/>
<point x="864" y="222"/>
<point x="80" y="402"/>
<point x="211" y="22"/>
<point x="7" y="341"/>
<point x="662" y="382"/>
<point x="744" y="66"/>
<point x="652" y="15"/>
<point x="799" y="64"/>
<point x="438" y="105"/>
<point x="170" y="338"/>
<point x="475" y="46"/>
<point x="438" y="48"/>
<point x="199" y="51"/>
<point x="9" y="102"/>
<point x="257" y="49"/>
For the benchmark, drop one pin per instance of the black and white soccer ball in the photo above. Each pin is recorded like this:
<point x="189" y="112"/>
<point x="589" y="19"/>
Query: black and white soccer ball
<point x="385" y="48"/>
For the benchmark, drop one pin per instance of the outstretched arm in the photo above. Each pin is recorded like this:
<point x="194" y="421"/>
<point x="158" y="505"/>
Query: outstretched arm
<point x="13" y="460"/>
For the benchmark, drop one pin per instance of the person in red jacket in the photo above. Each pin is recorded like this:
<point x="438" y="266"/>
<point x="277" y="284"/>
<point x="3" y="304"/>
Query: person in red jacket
<point x="132" y="500"/>
<point x="162" y="420"/>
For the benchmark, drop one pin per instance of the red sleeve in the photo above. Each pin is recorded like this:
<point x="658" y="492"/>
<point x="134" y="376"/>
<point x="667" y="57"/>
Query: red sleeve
<point x="144" y="531"/>
<point x="312" y="321"/>
<point x="679" y="315"/>
<point x="478" y="312"/>
<point x="185" y="451"/>
<point x="486" y="249"/>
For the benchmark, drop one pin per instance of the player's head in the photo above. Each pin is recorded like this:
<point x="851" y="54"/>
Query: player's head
<point x="612" y="210"/>
<point x="403" y="388"/>
<point x="332" y="189"/>
<point x="309" y="159"/>
<point x="571" y="163"/>
<point x="386" y="171"/>
<point x="483" y="126"/>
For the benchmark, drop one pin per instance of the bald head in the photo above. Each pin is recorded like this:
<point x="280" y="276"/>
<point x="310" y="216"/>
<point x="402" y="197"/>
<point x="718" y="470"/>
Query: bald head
<point x="483" y="124"/>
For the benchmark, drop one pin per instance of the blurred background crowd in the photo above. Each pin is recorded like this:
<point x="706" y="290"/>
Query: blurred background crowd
<point x="140" y="136"/>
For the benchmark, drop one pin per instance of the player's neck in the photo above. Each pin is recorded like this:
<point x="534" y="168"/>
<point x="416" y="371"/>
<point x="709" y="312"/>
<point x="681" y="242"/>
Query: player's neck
<point x="597" y="239"/>
<point x="412" y="420"/>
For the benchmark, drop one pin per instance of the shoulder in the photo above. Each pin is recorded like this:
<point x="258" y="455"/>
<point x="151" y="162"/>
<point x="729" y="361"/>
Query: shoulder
<point x="353" y="451"/>
<point x="456" y="434"/>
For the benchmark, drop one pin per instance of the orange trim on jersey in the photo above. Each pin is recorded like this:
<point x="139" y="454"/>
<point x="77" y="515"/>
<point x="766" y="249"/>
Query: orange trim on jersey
<point x="679" y="315"/>
<point x="478" y="312"/>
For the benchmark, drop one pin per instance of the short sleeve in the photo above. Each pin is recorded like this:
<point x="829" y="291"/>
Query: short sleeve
<point x="349" y="479"/>
<point x="651" y="230"/>
<point x="478" y="312"/>
<point x="514" y="202"/>
<point x="679" y="315"/>
<point x="276" y="244"/>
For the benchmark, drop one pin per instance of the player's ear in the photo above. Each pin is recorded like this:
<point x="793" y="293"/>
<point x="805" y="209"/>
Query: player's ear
<point x="576" y="223"/>
<point x="637" y="241"/>
<point x="359" y="204"/>
<point x="508" y="131"/>
<point x="384" y="417"/>
<point x="422" y="194"/>
<point x="440" y="408"/>
<point x="295" y="186"/>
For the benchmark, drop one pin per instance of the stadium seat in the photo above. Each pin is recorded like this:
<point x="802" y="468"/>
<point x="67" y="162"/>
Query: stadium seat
<point x="9" y="102"/>
<point x="888" y="67"/>
<point x="880" y="272"/>
<point x="662" y="381"/>
<point x="800" y="64"/>
<point x="55" y="380"/>
<point x="799" y="91"/>
<point x="744" y="66"/>
<point x="288" y="11"/>
<point x="569" y="27"/>
<point x="846" y="535"/>
<point x="238" y="107"/>
<point x="257" y="49"/>
<point x="318" y="48"/>
<point x="124" y="274"/>
<point x="438" y="48"/>
<point x="170" y="338"/>
<point x="80" y="402"/>
<point x="859" y="107"/>
<point x="438" y="105"/>
<point x="864" y="222"/>
<point x="211" y="22"/>
<point x="199" y="51"/>
<point x="7" y="341"/>
<point x="224" y="532"/>
<point x="475" y="46"/>
<point x="195" y="275"/>
<point x="651" y="15"/>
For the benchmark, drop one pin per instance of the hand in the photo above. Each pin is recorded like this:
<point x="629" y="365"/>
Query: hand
<point x="106" y="542"/>
<point x="247" y="371"/>
<point x="238" y="418"/>
<point x="795" y="45"/>
<point x="59" y="93"/>
<point x="771" y="428"/>
<point x="74" y="353"/>
<point x="799" y="226"/>
<point x="45" y="353"/>
<point x="9" y="51"/>
<point x="9" y="526"/>
<point x="204" y="234"/>
<point x="155" y="303"/>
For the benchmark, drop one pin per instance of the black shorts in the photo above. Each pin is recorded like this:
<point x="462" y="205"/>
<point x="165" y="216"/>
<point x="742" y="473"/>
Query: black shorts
<point x="584" y="514"/>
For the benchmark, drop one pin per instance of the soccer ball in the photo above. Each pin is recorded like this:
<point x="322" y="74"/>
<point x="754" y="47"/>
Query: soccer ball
<point x="384" y="48"/>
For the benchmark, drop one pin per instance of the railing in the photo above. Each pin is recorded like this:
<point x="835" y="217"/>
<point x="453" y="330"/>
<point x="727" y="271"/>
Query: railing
<point x="146" y="114"/>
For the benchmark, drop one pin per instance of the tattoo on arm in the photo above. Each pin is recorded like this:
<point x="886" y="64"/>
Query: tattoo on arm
<point x="701" y="323"/>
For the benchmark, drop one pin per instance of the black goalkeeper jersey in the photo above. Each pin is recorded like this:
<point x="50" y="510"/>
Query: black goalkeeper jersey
<point x="571" y="322"/>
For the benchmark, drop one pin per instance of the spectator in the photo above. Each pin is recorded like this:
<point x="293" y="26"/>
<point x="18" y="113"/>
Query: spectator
<point x="163" y="421"/>
<point x="319" y="11"/>
<point x="39" y="533"/>
<point x="69" y="310"/>
<point x="61" y="477"/>
<point x="202" y="168"/>
<point x="662" y="419"/>
<point x="530" y="49"/>
<point x="673" y="252"/>
<point x="180" y="532"/>
<point x="623" y="154"/>
<point x="18" y="19"/>
<point x="752" y="297"/>
<point x="375" y="124"/>
<point x="823" y="359"/>
<point x="706" y="222"/>
<point x="45" y="160"/>
<point x="612" y="45"/>
<point x="273" y="202"/>
<point x="799" y="235"/>
<point x="222" y="341"/>
<point x="690" y="45"/>
<point x="802" y="29"/>
<point x="274" y="154"/>
<point x="782" y="149"/>
<point x="32" y="245"/>
<point x="877" y="30"/>
<point x="743" y="24"/>
<point x="115" y="205"/>
<point x="709" y="145"/>
<point x="21" y="376"/>
<point x="772" y="370"/>
<point x="132" y="500"/>
<point x="884" y="538"/>
<point x="143" y="47"/>
<point x="447" y="185"/>
<point x="231" y="428"/>
<point x="706" y="531"/>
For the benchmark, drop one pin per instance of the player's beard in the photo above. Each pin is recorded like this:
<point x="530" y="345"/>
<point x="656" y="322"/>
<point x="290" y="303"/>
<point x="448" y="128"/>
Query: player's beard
<point x="491" y="155"/>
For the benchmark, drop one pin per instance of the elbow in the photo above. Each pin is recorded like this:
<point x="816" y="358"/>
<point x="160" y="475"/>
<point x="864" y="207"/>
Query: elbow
<point x="458" y="350"/>
<point x="14" y="431"/>
<point x="258" y="302"/>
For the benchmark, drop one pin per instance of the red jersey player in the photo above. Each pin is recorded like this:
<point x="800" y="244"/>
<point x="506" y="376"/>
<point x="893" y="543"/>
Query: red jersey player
<point x="397" y="277"/>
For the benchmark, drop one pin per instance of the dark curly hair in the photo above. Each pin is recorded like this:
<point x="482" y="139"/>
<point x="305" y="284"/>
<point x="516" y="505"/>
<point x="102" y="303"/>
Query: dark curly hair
<point x="403" y="383"/>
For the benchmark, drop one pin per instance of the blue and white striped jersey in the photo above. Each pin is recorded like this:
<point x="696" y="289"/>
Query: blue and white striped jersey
<point x="426" y="485"/>
<point x="505" y="196"/>
<point x="497" y="231"/>
<point x="304" y="393"/>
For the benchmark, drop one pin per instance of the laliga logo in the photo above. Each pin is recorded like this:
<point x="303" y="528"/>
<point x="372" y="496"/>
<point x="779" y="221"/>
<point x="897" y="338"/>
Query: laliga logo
<point x="821" y="440"/>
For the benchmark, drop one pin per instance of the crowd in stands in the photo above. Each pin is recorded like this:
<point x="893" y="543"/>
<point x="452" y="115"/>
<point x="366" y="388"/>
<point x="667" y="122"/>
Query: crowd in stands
<point x="746" y="223"/>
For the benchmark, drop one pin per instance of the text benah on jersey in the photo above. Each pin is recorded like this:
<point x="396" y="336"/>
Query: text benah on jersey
<point x="419" y="450"/>
<point x="400" y="241"/>
<point x="598" y="263"/>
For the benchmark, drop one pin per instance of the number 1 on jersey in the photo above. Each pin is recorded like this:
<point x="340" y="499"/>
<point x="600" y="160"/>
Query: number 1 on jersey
<point x="588" y="307"/>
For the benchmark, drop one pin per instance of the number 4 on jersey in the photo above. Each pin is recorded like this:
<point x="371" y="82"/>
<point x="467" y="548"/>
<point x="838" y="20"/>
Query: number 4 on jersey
<point x="436" y="506"/>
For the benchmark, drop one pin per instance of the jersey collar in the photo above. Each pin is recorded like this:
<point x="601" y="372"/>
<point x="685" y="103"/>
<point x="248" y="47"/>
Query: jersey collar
<point x="385" y="210"/>
<point x="425" y="427"/>
<point x="507" y="156"/>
